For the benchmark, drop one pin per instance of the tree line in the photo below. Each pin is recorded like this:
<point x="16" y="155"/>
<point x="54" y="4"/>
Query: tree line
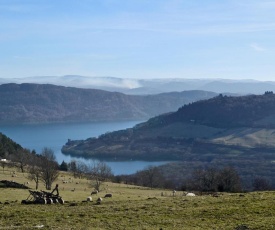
<point x="43" y="168"/>
<point x="207" y="179"/>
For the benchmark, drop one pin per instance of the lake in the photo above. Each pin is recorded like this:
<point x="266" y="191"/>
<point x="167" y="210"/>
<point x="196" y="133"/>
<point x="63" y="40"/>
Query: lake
<point x="54" y="136"/>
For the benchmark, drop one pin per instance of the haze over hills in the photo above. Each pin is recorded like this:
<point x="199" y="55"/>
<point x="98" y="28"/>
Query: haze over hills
<point x="38" y="103"/>
<point x="151" y="86"/>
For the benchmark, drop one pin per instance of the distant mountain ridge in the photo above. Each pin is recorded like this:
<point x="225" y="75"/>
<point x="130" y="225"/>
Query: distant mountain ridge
<point x="150" y="86"/>
<point x="44" y="103"/>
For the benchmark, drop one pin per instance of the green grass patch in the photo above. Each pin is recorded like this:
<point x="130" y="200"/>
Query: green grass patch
<point x="133" y="207"/>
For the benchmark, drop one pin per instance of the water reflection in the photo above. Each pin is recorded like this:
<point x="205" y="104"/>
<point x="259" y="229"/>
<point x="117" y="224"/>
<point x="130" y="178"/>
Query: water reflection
<point x="118" y="167"/>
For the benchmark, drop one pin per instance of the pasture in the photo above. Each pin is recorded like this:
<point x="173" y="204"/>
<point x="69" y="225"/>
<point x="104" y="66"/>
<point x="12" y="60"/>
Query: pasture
<point x="133" y="207"/>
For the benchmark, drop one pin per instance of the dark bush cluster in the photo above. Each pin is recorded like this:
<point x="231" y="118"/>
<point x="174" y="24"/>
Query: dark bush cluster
<point x="203" y="180"/>
<point x="215" y="180"/>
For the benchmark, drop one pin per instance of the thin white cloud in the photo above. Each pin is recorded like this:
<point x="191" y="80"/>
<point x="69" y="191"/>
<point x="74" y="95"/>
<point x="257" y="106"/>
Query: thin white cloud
<point x="110" y="37"/>
<point x="257" y="47"/>
<point x="200" y="21"/>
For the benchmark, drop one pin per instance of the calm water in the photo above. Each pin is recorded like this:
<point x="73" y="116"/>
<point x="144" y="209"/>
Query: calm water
<point x="54" y="136"/>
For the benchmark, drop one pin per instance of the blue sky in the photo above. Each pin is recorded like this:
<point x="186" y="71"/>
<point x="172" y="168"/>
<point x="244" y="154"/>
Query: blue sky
<point x="232" y="39"/>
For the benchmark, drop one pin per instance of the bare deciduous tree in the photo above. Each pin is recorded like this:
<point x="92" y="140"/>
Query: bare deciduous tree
<point x="21" y="157"/>
<point x="261" y="184"/>
<point x="214" y="179"/>
<point x="151" y="177"/>
<point x="229" y="180"/>
<point x="99" y="173"/>
<point x="73" y="168"/>
<point x="78" y="168"/>
<point x="34" y="169"/>
<point x="49" y="168"/>
<point x="3" y="164"/>
<point x="204" y="180"/>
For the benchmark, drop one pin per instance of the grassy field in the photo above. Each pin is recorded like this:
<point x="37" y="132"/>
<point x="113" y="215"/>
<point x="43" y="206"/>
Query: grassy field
<point x="133" y="207"/>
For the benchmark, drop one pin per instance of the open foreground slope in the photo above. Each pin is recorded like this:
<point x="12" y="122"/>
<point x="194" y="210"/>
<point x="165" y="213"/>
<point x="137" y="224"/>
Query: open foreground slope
<point x="133" y="207"/>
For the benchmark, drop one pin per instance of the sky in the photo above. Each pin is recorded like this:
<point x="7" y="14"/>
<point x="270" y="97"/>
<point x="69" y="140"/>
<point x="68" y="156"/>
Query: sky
<point x="231" y="39"/>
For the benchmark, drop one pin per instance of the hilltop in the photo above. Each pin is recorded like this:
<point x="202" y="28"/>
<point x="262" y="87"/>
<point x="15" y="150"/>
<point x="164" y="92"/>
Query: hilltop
<point x="235" y="122"/>
<point x="44" y="103"/>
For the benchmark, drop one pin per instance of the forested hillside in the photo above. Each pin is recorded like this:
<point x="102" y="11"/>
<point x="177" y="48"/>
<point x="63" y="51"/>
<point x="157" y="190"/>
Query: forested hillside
<point x="222" y="131"/>
<point x="228" y="112"/>
<point x="219" y="118"/>
<point x="34" y="103"/>
<point x="8" y="146"/>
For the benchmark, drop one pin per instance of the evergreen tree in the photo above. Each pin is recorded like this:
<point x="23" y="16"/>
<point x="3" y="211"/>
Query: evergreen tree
<point x="63" y="166"/>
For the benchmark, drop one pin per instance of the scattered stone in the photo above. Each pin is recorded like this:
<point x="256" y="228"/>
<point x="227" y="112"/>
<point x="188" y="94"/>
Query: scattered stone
<point x="242" y="227"/>
<point x="73" y="204"/>
<point x="215" y="194"/>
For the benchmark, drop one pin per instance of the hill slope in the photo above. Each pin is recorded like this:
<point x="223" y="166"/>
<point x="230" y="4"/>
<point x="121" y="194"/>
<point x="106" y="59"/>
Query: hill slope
<point x="7" y="146"/>
<point x="134" y="207"/>
<point x="208" y="128"/>
<point x="34" y="103"/>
